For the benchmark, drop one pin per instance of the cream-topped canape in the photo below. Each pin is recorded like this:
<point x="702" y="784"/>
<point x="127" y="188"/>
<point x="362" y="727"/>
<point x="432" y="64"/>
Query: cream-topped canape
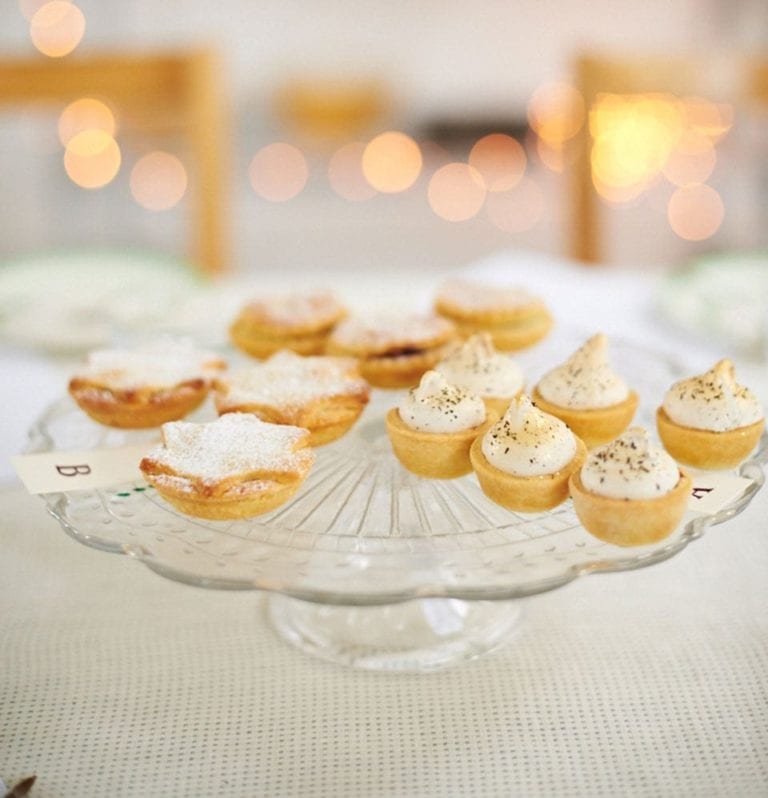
<point x="476" y="366"/>
<point x="434" y="426"/>
<point x="630" y="492"/>
<point x="523" y="462"/>
<point x="709" y="420"/>
<point x="587" y="394"/>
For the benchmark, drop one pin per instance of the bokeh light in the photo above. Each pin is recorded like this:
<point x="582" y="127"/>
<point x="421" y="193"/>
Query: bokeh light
<point x="86" y="113"/>
<point x="695" y="213"/>
<point x="500" y="160"/>
<point x="92" y="159"/>
<point x="278" y="172"/>
<point x="392" y="162"/>
<point x="712" y="120"/>
<point x="618" y="195"/>
<point x="517" y="210"/>
<point x="29" y="8"/>
<point x="692" y="161"/>
<point x="556" y="112"/>
<point x="456" y="192"/>
<point x="345" y="173"/>
<point x="633" y="138"/>
<point x="158" y="181"/>
<point x="56" y="28"/>
<point x="434" y="155"/>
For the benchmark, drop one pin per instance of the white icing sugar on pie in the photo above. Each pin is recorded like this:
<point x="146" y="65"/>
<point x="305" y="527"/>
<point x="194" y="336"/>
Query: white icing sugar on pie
<point x="162" y="364"/>
<point x="234" y="444"/>
<point x="290" y="380"/>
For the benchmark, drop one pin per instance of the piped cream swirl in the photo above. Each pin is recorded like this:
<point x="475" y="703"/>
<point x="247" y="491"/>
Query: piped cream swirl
<point x="585" y="380"/>
<point x="437" y="406"/>
<point x="477" y="367"/>
<point x="712" y="401"/>
<point x="527" y="442"/>
<point x="630" y="467"/>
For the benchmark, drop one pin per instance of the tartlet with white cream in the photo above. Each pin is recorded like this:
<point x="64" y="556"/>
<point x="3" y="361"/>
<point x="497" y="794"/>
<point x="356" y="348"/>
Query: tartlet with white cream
<point x="630" y="492"/>
<point x="587" y="394"/>
<point x="709" y="421"/>
<point x="476" y="366"/>
<point x="434" y="426"/>
<point x="524" y="461"/>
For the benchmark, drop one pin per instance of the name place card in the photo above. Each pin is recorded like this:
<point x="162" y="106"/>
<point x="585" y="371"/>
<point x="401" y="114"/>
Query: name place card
<point x="59" y="472"/>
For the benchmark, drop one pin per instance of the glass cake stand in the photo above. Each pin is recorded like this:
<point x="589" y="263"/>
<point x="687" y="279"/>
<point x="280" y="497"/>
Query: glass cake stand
<point x="369" y="565"/>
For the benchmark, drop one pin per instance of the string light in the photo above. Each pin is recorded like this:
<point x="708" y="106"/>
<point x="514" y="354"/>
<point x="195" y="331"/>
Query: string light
<point x="158" y="181"/>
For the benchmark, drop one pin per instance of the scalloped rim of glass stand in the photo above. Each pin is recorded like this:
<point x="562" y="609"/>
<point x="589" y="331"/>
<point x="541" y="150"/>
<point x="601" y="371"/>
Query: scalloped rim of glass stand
<point x="751" y="469"/>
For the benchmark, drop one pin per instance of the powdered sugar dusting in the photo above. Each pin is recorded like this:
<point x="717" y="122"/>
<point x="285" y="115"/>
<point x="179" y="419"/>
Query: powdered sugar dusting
<point x="297" y="308"/>
<point x="162" y="364"/>
<point x="473" y="295"/>
<point x="382" y="332"/>
<point x="289" y="380"/>
<point x="234" y="444"/>
<point x="186" y="486"/>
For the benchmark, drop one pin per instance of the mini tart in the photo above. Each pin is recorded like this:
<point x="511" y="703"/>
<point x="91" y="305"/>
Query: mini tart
<point x="707" y="449"/>
<point x="245" y="500"/>
<point x="138" y="408"/>
<point x="510" y="336"/>
<point x="324" y="395"/>
<point x="299" y="322"/>
<point x="630" y="522"/>
<point x="393" y="352"/>
<point x="232" y="468"/>
<point x="594" y="426"/>
<point x="520" y="493"/>
<point x="435" y="455"/>
<point x="513" y="318"/>
<point x="478" y="367"/>
<point x="145" y="387"/>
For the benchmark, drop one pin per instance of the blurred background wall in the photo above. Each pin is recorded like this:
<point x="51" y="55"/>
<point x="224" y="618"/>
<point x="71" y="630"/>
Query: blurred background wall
<point x="444" y="72"/>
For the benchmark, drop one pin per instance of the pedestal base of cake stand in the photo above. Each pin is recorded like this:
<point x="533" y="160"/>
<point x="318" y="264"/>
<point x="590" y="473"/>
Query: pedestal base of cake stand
<point x="420" y="635"/>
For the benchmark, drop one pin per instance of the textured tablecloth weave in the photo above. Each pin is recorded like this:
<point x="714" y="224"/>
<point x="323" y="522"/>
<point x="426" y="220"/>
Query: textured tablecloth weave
<point x="116" y="682"/>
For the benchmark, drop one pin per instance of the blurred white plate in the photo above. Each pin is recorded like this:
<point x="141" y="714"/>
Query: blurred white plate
<point x="69" y="302"/>
<point x="722" y="298"/>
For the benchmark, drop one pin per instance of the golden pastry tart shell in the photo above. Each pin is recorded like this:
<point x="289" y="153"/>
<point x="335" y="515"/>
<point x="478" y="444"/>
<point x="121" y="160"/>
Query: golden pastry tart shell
<point x="435" y="455"/>
<point x="707" y="449"/>
<point x="441" y="332"/>
<point x="490" y="316"/>
<point x="520" y="493"/>
<point x="265" y="496"/>
<point x="138" y="409"/>
<point x="512" y="336"/>
<point x="396" y="371"/>
<point x="262" y="345"/>
<point x="630" y="522"/>
<point x="254" y="321"/>
<point x="326" y="419"/>
<point x="594" y="426"/>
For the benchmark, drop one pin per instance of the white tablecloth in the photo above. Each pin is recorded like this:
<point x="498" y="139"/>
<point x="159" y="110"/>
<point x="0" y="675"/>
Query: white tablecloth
<point x="116" y="682"/>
